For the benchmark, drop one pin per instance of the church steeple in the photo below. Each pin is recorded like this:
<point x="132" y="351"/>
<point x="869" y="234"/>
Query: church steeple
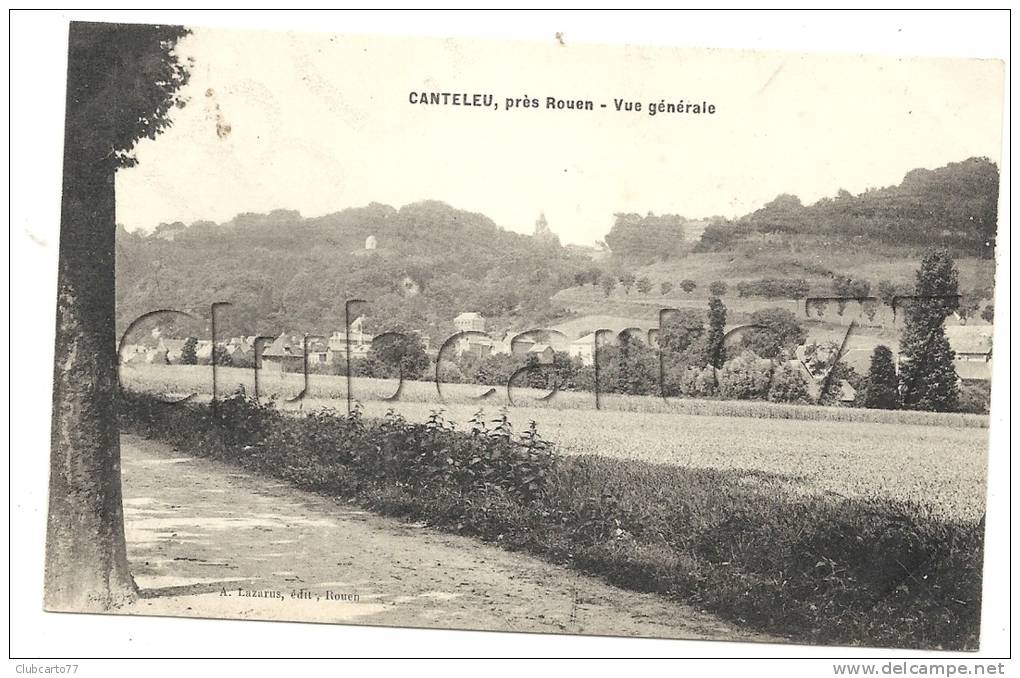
<point x="543" y="232"/>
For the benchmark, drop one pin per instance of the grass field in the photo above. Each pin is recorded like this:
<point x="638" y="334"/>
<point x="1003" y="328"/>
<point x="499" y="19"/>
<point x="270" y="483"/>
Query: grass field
<point x="938" y="461"/>
<point x="763" y="549"/>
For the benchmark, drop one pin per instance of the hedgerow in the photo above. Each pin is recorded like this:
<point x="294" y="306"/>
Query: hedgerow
<point x="749" y="546"/>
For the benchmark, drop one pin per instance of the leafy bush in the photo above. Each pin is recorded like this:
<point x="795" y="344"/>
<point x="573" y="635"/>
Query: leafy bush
<point x="774" y="288"/>
<point x="450" y="372"/>
<point x="975" y="397"/>
<point x="773" y="332"/>
<point x="746" y="377"/>
<point x="788" y="385"/>
<point x="699" y="382"/>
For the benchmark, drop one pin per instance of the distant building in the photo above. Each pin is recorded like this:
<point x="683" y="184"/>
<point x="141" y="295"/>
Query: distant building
<point x="469" y="322"/>
<point x="542" y="231"/>
<point x="355" y="343"/>
<point x="283" y="355"/>
<point x="970" y="342"/>
<point x="503" y="345"/>
<point x="847" y="393"/>
<point x="543" y="352"/>
<point x="241" y="350"/>
<point x="318" y="352"/>
<point x="172" y="349"/>
<point x="475" y="345"/>
<point x="584" y="349"/>
<point x="520" y="346"/>
<point x="204" y="351"/>
<point x="972" y="345"/>
<point x="370" y="242"/>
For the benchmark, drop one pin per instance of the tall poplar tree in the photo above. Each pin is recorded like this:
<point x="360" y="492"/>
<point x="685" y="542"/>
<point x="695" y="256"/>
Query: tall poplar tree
<point x="928" y="379"/>
<point x="714" y="348"/>
<point x="882" y="390"/>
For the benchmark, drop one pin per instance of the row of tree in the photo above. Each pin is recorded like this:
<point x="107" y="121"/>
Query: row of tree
<point x="954" y="206"/>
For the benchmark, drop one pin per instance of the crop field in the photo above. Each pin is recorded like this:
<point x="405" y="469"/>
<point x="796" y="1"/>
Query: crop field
<point x="936" y="461"/>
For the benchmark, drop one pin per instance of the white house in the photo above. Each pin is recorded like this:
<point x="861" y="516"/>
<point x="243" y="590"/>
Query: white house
<point x="973" y="347"/>
<point x="543" y="352"/>
<point x="469" y="322"/>
<point x="355" y="343"/>
<point x="583" y="348"/>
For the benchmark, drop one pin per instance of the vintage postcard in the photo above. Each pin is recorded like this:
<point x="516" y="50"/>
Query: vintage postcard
<point x="529" y="337"/>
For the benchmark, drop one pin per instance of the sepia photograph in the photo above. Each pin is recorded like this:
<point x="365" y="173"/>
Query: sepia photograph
<point x="534" y="337"/>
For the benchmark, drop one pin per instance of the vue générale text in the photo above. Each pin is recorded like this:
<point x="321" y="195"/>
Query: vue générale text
<point x="550" y="103"/>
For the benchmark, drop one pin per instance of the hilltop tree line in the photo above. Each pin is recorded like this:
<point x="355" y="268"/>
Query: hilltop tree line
<point x="644" y="239"/>
<point x="954" y="207"/>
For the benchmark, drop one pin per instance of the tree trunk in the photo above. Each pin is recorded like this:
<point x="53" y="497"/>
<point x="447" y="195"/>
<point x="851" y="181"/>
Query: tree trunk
<point x="86" y="557"/>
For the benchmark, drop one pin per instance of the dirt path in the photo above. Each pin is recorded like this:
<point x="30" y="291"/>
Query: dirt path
<point x="197" y="529"/>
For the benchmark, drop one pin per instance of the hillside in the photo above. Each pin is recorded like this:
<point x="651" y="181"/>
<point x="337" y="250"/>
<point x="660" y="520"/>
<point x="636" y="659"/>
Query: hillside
<point x="429" y="261"/>
<point x="845" y="246"/>
<point x="284" y="272"/>
<point x="954" y="206"/>
<point x="878" y="235"/>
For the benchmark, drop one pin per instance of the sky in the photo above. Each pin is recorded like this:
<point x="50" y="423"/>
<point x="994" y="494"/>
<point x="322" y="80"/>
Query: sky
<point x="318" y="123"/>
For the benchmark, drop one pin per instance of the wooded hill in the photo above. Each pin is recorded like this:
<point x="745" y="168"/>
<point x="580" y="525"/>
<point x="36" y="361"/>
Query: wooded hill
<point x="282" y="272"/>
<point x="953" y="206"/>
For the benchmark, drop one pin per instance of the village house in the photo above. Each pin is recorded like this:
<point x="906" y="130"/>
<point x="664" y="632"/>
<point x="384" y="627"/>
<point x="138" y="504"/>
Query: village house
<point x="469" y="322"/>
<point x="318" y="351"/>
<point x="283" y="355"/>
<point x="972" y="345"/>
<point x="583" y="349"/>
<point x="204" y="351"/>
<point x="543" y="352"/>
<point x="172" y="349"/>
<point x="504" y="345"/>
<point x="520" y="346"/>
<point x="355" y="343"/>
<point x="475" y="346"/>
<point x="476" y="343"/>
<point x="241" y="350"/>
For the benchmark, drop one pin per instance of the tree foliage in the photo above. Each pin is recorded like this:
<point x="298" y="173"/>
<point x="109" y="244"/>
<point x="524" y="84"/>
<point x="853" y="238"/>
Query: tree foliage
<point x="788" y="385"/>
<point x="716" y="335"/>
<point x="402" y="353"/>
<point x="882" y="388"/>
<point x="123" y="81"/>
<point x="954" y="206"/>
<point x="773" y="333"/>
<point x="646" y="239"/>
<point x="928" y="379"/>
<point x="189" y="352"/>
<point x="280" y="271"/>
